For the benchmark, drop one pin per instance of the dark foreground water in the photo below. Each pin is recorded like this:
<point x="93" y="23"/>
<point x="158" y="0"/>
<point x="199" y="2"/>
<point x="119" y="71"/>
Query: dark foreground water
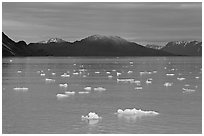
<point x="38" y="109"/>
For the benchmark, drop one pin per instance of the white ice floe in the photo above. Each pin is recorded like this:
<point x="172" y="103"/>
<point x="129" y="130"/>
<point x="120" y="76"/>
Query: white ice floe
<point x="42" y="74"/>
<point x="131" y="62"/>
<point x="99" y="89"/>
<point x="48" y="69"/>
<point x="114" y="70"/>
<point x="186" y="85"/>
<point x="154" y="72"/>
<point x="118" y="74"/>
<point x="70" y="92"/>
<point x="170" y="74"/>
<point x="138" y="112"/>
<point x="87" y="88"/>
<point x="63" y="85"/>
<point x="181" y="78"/>
<point x="126" y="80"/>
<point x="138" y="88"/>
<point x="83" y="92"/>
<point x="145" y="72"/>
<point x="197" y="77"/>
<point x="148" y="81"/>
<point x="130" y="72"/>
<point x="168" y="84"/>
<point x="84" y="76"/>
<point x="62" y="95"/>
<point x="20" y="89"/>
<point x="110" y="76"/>
<point x="137" y="82"/>
<point x="10" y="60"/>
<point x="65" y="75"/>
<point x="49" y="80"/>
<point x="19" y="71"/>
<point x="107" y="72"/>
<point x="187" y="90"/>
<point x="53" y="74"/>
<point x="75" y="73"/>
<point x="97" y="72"/>
<point x="91" y="116"/>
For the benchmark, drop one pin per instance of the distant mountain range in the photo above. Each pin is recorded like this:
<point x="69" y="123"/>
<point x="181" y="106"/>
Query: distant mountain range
<point x="97" y="45"/>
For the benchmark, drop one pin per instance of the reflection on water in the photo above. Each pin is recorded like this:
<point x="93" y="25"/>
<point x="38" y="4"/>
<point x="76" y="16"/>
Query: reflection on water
<point x="49" y="95"/>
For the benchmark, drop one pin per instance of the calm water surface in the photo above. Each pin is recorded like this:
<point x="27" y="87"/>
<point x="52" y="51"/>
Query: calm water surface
<point x="39" y="110"/>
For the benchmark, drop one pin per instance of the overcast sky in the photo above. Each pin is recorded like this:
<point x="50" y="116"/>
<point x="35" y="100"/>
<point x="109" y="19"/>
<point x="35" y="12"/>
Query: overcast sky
<point x="35" y="22"/>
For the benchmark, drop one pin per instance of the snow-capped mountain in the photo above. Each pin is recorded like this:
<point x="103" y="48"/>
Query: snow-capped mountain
<point x="53" y="40"/>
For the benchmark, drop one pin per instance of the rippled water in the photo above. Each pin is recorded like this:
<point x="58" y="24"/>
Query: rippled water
<point x="171" y="86"/>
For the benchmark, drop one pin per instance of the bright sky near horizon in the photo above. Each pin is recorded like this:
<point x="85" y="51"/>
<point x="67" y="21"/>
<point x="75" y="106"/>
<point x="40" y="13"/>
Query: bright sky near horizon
<point x="138" y="22"/>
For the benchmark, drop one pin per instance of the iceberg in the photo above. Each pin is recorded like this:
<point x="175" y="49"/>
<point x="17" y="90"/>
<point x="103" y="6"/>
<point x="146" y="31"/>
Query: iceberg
<point x="181" y="78"/>
<point x="63" y="85"/>
<point x="20" y="89"/>
<point x="87" y="88"/>
<point x="91" y="116"/>
<point x="99" y="89"/>
<point x="136" y="112"/>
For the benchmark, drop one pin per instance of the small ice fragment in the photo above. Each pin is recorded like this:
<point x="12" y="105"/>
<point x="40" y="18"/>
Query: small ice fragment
<point x="168" y="84"/>
<point x="138" y="112"/>
<point x="131" y="62"/>
<point x="49" y="80"/>
<point x="87" y="88"/>
<point x="75" y="73"/>
<point x="53" y="74"/>
<point x="70" y="93"/>
<point x="170" y="74"/>
<point x="118" y="74"/>
<point x="186" y="85"/>
<point x="48" y="69"/>
<point x="138" y="88"/>
<point x="84" y="75"/>
<point x="38" y="72"/>
<point x="186" y="90"/>
<point x="91" y="116"/>
<point x="154" y="71"/>
<point x="10" y="60"/>
<point x="20" y="89"/>
<point x="62" y="95"/>
<point x="181" y="78"/>
<point x="42" y="74"/>
<point x="110" y="76"/>
<point x="197" y="77"/>
<point x="113" y="70"/>
<point x="19" y="71"/>
<point x="129" y="72"/>
<point x="83" y="92"/>
<point x="107" y="72"/>
<point x="148" y="81"/>
<point x="96" y="72"/>
<point x="65" y="75"/>
<point x="99" y="89"/>
<point x="63" y="85"/>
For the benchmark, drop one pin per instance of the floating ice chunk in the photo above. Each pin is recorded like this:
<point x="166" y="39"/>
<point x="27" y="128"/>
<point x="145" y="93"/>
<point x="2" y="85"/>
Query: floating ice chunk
<point x="48" y="69"/>
<point x="118" y="74"/>
<point x="53" y="74"/>
<point x="20" y="89"/>
<point x="70" y="93"/>
<point x="49" y="80"/>
<point x="168" y="84"/>
<point x="154" y="71"/>
<point x="63" y="85"/>
<point x="91" y="116"/>
<point x="83" y="92"/>
<point x="145" y="73"/>
<point x="181" y="78"/>
<point x="113" y="70"/>
<point x="138" y="88"/>
<point x="110" y="76"/>
<point x="65" y="75"/>
<point x="75" y="73"/>
<point x="136" y="112"/>
<point x="126" y="80"/>
<point x="148" y="81"/>
<point x="10" y="60"/>
<point x="99" y="89"/>
<point x="186" y="85"/>
<point x="131" y="62"/>
<point x="107" y="72"/>
<point x="42" y="74"/>
<point x="84" y="76"/>
<point x="186" y="90"/>
<point x="197" y="77"/>
<point x="97" y="72"/>
<point x="137" y="82"/>
<point x="129" y="72"/>
<point x="170" y="74"/>
<point x="19" y="71"/>
<point x="62" y="95"/>
<point x="87" y="88"/>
